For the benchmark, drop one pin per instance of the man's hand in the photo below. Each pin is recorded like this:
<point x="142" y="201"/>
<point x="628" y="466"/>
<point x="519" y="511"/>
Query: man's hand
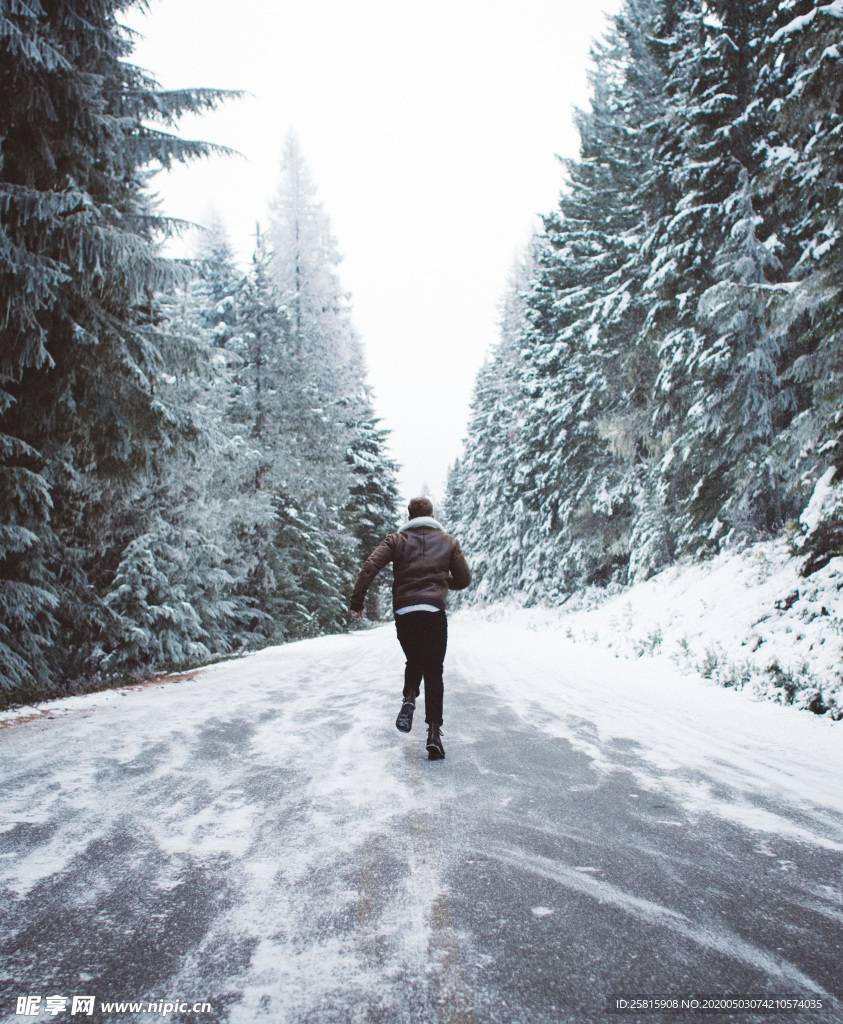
<point x="355" y="614"/>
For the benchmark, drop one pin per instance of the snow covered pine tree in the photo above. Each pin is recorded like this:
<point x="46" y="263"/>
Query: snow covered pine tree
<point x="79" y="263"/>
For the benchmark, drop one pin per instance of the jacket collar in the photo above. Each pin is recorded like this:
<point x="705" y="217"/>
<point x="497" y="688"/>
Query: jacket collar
<point x="420" y="521"/>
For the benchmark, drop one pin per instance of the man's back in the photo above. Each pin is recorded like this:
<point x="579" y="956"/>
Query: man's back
<point x="427" y="562"/>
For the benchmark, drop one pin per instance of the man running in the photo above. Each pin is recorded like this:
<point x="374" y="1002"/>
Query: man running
<point x="427" y="563"/>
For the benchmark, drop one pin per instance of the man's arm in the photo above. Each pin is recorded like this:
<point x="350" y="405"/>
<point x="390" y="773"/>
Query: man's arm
<point x="459" y="575"/>
<point x="382" y="554"/>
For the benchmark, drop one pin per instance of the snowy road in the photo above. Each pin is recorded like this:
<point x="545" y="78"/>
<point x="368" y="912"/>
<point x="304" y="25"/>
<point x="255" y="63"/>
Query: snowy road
<point x="261" y="838"/>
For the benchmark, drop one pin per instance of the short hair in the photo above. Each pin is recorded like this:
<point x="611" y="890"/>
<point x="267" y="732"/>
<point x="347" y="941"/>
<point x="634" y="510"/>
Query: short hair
<point x="420" y="507"/>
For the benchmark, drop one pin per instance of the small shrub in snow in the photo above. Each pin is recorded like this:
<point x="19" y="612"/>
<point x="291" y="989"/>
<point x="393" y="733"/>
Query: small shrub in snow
<point x="811" y="699"/>
<point x="651" y="643"/>
<point x="785" y="682"/>
<point x="710" y="664"/>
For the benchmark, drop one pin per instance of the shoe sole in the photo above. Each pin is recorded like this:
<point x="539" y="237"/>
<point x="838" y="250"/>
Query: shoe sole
<point x="434" y="753"/>
<point x="401" y="727"/>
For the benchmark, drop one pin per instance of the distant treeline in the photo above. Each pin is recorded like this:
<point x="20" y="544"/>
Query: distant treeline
<point x="669" y="376"/>
<point x="190" y="464"/>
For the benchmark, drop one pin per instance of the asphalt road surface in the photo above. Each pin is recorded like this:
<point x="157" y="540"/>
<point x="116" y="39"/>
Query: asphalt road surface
<point x="259" y="843"/>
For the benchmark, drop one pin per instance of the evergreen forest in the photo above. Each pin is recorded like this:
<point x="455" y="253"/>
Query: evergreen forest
<point x="190" y="463"/>
<point x="668" y="379"/>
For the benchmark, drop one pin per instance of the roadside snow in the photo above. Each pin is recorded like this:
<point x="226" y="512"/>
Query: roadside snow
<point x="745" y="619"/>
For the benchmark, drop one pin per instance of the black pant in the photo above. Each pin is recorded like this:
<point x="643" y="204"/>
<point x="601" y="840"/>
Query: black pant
<point x="423" y="637"/>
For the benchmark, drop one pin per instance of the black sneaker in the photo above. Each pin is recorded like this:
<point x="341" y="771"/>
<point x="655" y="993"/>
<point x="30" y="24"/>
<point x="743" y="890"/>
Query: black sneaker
<point x="435" y="750"/>
<point x="404" y="721"/>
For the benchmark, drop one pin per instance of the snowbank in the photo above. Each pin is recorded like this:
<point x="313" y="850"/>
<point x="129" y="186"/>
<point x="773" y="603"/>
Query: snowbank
<point x="745" y="619"/>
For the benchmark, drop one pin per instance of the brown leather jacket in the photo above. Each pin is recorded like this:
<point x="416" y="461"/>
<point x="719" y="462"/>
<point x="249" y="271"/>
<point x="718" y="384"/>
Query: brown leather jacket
<point x="427" y="563"/>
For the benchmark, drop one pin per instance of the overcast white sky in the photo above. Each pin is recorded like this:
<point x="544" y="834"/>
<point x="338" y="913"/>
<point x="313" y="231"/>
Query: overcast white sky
<point x="431" y="130"/>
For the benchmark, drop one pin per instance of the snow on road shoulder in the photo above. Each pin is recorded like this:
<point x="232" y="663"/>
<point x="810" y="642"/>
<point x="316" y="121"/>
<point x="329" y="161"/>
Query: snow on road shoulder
<point x="625" y="682"/>
<point x="249" y="668"/>
<point x="745" y="619"/>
